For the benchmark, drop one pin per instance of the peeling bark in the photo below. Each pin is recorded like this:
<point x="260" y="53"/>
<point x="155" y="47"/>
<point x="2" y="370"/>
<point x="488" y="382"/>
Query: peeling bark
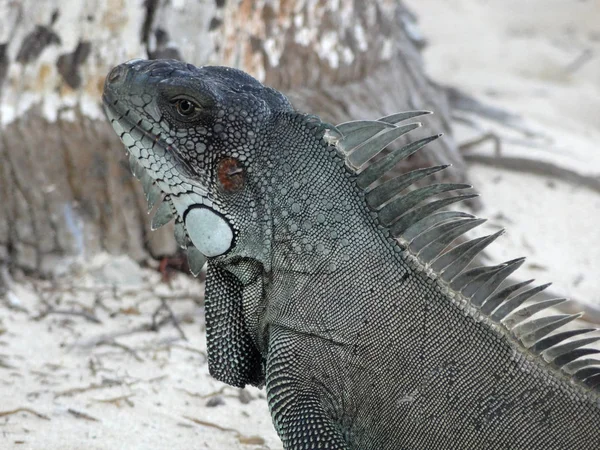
<point x="65" y="191"/>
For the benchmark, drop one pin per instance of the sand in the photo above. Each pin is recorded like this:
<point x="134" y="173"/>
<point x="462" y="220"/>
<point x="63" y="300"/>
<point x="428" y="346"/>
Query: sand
<point x="77" y="384"/>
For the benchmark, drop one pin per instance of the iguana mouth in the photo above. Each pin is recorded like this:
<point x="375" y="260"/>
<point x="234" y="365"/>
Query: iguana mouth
<point x="200" y="225"/>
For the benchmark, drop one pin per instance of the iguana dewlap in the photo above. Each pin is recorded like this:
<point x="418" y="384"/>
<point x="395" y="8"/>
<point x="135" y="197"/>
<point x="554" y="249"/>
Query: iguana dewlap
<point x="337" y="287"/>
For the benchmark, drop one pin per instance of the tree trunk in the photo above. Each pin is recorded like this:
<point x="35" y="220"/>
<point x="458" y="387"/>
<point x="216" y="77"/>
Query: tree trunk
<point x="65" y="191"/>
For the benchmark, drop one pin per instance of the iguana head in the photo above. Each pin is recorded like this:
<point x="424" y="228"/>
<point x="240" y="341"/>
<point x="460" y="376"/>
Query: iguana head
<point x="192" y="134"/>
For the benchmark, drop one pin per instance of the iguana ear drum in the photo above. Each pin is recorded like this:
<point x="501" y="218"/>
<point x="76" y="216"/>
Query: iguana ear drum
<point x="230" y="175"/>
<point x="209" y="231"/>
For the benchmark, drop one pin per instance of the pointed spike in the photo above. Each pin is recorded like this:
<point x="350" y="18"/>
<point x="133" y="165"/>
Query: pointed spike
<point x="559" y="351"/>
<point x="418" y="214"/>
<point x="163" y="215"/>
<point x="354" y="125"/>
<point x="516" y="317"/>
<point x="430" y="236"/>
<point x="555" y="339"/>
<point x="132" y="162"/>
<point x="573" y="355"/>
<point x="362" y="153"/>
<point x="180" y="235"/>
<point x="396" y="208"/>
<point x="134" y="165"/>
<point x="467" y="277"/>
<point x="473" y="287"/>
<point x="388" y="190"/>
<point x="153" y="194"/>
<point x="440" y="237"/>
<point x="456" y="259"/>
<point x="196" y="260"/>
<point x="147" y="181"/>
<point x="533" y="330"/>
<point x="489" y="286"/>
<point x="401" y="116"/>
<point x="513" y="303"/>
<point x="574" y="366"/>
<point x="587" y="372"/>
<point x="432" y="221"/>
<point x="376" y="170"/>
<point x="493" y="302"/>
<point x="592" y="382"/>
<point x="357" y="137"/>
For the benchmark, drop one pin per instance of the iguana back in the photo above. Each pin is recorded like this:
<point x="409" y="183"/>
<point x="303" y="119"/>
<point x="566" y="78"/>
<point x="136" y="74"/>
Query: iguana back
<point x="335" y="286"/>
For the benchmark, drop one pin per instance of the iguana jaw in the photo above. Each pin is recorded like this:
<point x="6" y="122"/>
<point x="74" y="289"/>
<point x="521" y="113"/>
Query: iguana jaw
<point x="200" y="223"/>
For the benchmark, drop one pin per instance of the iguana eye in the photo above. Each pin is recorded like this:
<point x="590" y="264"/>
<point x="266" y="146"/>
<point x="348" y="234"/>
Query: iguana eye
<point x="185" y="107"/>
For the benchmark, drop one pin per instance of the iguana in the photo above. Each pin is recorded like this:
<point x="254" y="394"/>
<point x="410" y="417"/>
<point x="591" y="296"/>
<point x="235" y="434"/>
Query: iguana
<point x="336" y="286"/>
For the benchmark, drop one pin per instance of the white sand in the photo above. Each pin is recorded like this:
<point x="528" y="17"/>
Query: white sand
<point x="49" y="366"/>
<point x="521" y="55"/>
<point x="510" y="53"/>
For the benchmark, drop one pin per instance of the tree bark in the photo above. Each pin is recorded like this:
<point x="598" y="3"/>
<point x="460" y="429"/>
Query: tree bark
<point x="65" y="191"/>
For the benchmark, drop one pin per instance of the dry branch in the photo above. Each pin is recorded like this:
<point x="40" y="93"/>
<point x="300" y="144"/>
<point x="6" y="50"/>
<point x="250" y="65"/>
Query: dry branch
<point x="24" y="409"/>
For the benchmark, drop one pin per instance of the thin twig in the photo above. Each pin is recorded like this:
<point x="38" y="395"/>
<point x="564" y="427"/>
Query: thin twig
<point x="116" y="400"/>
<point x="82" y="415"/>
<point x="139" y="329"/>
<point x="536" y="167"/>
<point x="91" y="387"/>
<point x="248" y="440"/>
<point x="204" y="396"/>
<point x="106" y="383"/>
<point x="485" y="137"/>
<point x="87" y="316"/>
<point x="128" y="349"/>
<point x="164" y="305"/>
<point x="579" y="61"/>
<point x="24" y="409"/>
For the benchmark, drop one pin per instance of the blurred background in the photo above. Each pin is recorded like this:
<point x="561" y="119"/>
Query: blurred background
<point x="97" y="313"/>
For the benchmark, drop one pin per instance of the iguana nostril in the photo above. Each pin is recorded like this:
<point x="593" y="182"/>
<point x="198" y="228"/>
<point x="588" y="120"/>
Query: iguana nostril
<point x="115" y="74"/>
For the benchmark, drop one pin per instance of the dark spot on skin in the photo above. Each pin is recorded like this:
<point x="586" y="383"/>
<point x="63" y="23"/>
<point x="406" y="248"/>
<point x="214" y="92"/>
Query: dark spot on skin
<point x="69" y="63"/>
<point x="230" y="174"/>
<point x="405" y="276"/>
<point x="35" y="42"/>
<point x="90" y="18"/>
<point x="215" y="23"/>
<point x="220" y="3"/>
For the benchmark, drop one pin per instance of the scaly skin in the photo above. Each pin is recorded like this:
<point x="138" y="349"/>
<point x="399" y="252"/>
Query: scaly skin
<point x="359" y="346"/>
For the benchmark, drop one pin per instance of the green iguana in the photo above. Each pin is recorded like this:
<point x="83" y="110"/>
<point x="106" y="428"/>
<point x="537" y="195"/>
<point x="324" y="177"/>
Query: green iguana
<point x="337" y="288"/>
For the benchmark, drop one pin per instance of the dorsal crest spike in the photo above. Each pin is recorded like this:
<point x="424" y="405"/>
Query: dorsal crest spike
<point x="379" y="169"/>
<point x="368" y="148"/>
<point x="401" y="116"/>
<point x="514" y="302"/>
<point x="385" y="192"/>
<point x="396" y="208"/>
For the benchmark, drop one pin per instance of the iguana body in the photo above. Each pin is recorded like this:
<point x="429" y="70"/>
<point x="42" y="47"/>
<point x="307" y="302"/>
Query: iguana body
<point x="328" y="286"/>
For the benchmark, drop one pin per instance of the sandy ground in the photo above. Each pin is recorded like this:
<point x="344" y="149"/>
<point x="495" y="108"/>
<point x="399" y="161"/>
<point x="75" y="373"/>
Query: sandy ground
<point x="80" y="359"/>
<point x="80" y="364"/>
